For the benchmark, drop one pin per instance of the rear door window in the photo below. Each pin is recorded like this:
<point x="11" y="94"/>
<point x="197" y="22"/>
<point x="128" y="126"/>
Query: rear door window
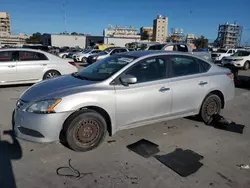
<point x="31" y="56"/>
<point x="183" y="66"/>
<point x="6" y="56"/>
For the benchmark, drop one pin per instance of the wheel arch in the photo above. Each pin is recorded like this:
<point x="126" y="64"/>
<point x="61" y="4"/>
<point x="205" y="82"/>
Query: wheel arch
<point x="219" y="94"/>
<point x="99" y="110"/>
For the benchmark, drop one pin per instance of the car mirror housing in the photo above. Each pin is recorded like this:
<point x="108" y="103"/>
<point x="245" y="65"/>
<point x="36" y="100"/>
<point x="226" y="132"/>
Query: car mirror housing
<point x="128" y="79"/>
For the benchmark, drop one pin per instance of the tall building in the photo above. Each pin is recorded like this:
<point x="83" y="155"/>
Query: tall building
<point x="5" y="23"/>
<point x="160" y="29"/>
<point x="146" y="33"/>
<point x="229" y="35"/>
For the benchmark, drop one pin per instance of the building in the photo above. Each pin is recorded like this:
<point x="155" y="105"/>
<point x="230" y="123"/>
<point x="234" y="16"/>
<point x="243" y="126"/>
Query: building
<point x="176" y="35"/>
<point x="229" y="35"/>
<point x="5" y="23"/>
<point x="146" y="33"/>
<point x="61" y="40"/>
<point x="119" y="41"/>
<point x="121" y="32"/>
<point x="190" y="38"/>
<point x="13" y="40"/>
<point x="160" y="29"/>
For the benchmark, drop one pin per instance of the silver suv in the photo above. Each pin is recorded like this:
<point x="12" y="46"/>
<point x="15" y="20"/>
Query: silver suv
<point x="120" y="92"/>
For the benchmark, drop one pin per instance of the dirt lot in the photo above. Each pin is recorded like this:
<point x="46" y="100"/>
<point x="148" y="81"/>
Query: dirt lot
<point x="113" y="165"/>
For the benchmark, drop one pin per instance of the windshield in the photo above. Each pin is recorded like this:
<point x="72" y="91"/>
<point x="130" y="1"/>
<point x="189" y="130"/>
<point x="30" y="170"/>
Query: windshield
<point x="104" y="68"/>
<point x="103" y="53"/>
<point x="222" y="51"/>
<point x="241" y="53"/>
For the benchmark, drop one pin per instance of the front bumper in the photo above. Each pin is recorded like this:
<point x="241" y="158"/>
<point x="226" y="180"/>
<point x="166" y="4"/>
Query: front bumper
<point x="238" y="64"/>
<point x="38" y="127"/>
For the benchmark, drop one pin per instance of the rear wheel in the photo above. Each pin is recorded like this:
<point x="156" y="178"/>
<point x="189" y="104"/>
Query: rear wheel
<point x="210" y="106"/>
<point x="51" y="74"/>
<point x="246" y="65"/>
<point x="85" y="130"/>
<point x="64" y="56"/>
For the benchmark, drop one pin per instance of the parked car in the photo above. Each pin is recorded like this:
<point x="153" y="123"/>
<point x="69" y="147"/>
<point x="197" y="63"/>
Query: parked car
<point x="106" y="53"/>
<point x="240" y="59"/>
<point x="20" y="65"/>
<point x="221" y="53"/>
<point x="180" y="47"/>
<point x="72" y="53"/>
<point x="119" y="92"/>
<point x="85" y="54"/>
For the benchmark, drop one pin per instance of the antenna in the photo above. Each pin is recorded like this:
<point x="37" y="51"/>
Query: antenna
<point x="64" y="16"/>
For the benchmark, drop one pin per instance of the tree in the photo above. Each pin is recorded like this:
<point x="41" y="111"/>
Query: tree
<point x="144" y="35"/>
<point x="74" y="33"/>
<point x="201" y="42"/>
<point x="35" y="38"/>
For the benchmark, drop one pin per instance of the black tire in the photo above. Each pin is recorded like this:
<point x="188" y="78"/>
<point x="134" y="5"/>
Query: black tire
<point x="246" y="65"/>
<point x="64" y="56"/>
<point x="84" y="60"/>
<point x="51" y="74"/>
<point x="211" y="105"/>
<point x="85" y="130"/>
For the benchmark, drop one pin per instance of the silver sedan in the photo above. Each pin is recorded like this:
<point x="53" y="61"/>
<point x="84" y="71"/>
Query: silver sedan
<point x="120" y="92"/>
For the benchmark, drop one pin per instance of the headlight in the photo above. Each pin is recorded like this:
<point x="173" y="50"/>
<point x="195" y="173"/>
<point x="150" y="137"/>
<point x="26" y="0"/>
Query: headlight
<point x="95" y="57"/>
<point x="43" y="107"/>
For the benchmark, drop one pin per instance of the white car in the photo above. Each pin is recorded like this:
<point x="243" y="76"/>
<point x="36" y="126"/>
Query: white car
<point x="240" y="59"/>
<point x="20" y="66"/>
<point x="85" y="54"/>
<point x="221" y="53"/>
<point x="63" y="54"/>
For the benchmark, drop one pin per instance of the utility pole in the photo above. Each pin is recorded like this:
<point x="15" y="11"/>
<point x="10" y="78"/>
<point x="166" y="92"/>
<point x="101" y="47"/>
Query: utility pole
<point x="64" y="16"/>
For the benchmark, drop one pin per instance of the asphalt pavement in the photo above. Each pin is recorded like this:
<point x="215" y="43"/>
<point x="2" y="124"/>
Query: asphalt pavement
<point x="25" y="164"/>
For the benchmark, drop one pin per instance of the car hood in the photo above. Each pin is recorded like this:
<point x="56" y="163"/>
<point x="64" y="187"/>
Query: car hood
<point x="56" y="87"/>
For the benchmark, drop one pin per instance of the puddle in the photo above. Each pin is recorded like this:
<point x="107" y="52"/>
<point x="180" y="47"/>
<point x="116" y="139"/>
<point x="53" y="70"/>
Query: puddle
<point x="220" y="122"/>
<point x="183" y="162"/>
<point x="144" y="148"/>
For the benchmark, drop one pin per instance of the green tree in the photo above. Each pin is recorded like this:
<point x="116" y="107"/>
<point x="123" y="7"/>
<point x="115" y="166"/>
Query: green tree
<point x="35" y="38"/>
<point x="201" y="42"/>
<point x="144" y="35"/>
<point x="74" y="33"/>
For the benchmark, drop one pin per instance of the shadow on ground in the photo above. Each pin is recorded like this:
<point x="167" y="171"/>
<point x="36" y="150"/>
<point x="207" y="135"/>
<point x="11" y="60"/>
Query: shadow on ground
<point x="8" y="151"/>
<point x="243" y="82"/>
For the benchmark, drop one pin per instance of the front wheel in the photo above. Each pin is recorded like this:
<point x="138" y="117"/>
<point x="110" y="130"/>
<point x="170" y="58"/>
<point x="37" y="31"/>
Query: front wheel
<point x="246" y="65"/>
<point x="210" y="106"/>
<point x="84" y="60"/>
<point x="85" y="130"/>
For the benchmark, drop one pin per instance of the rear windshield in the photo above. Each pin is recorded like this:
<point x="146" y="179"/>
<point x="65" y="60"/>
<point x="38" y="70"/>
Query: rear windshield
<point x="156" y="47"/>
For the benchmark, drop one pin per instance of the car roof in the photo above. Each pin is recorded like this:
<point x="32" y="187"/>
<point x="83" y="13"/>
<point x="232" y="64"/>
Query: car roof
<point x="152" y="52"/>
<point x="21" y="49"/>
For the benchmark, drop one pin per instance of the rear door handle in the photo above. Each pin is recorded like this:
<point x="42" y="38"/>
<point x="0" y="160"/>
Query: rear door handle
<point x="163" y="89"/>
<point x="202" y="83"/>
<point x="44" y="64"/>
<point x="11" y="66"/>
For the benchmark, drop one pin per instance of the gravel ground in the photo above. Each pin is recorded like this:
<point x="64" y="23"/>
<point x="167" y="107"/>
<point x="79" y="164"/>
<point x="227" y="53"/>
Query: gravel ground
<point x="113" y="165"/>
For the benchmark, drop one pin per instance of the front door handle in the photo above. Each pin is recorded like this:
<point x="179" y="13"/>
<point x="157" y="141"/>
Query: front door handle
<point x="163" y="89"/>
<point x="44" y="64"/>
<point x="202" y="83"/>
<point x="11" y="66"/>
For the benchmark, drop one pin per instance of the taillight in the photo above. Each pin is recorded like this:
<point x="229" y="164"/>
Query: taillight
<point x="72" y="63"/>
<point x="230" y="75"/>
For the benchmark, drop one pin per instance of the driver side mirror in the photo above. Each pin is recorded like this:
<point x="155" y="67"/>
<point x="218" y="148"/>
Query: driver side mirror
<point x="128" y="79"/>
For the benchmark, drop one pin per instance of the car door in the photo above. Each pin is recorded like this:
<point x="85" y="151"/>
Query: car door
<point x="148" y="99"/>
<point x="31" y="65"/>
<point x="189" y="83"/>
<point x="7" y="66"/>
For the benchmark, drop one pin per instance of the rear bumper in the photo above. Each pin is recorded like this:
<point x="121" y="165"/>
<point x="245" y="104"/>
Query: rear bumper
<point x="38" y="127"/>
